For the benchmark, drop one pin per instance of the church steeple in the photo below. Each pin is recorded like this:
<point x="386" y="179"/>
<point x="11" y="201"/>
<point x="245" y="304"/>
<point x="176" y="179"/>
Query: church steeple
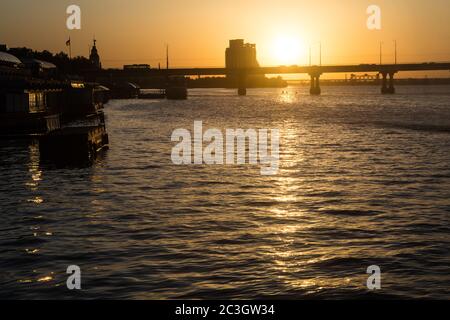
<point x="94" y="57"/>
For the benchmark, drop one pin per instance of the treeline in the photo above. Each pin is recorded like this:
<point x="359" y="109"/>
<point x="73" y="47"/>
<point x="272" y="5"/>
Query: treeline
<point x="61" y="60"/>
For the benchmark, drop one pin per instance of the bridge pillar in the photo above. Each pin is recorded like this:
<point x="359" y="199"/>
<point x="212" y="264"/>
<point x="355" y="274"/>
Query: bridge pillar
<point x="315" y="84"/>
<point x="391" y="88"/>
<point x="384" y="87"/>
<point x="388" y="88"/>
<point x="242" y="84"/>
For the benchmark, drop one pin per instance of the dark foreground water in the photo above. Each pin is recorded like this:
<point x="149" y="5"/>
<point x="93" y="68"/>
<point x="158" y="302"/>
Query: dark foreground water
<point x="364" y="180"/>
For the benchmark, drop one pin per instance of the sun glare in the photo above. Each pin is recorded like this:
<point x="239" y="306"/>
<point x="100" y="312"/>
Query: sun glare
<point x="287" y="50"/>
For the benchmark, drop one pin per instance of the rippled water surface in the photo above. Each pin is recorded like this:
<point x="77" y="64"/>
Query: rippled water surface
<point x="364" y="180"/>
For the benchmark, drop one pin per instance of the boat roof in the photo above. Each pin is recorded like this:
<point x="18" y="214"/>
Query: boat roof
<point x="6" y="58"/>
<point x="43" y="64"/>
<point x="31" y="84"/>
<point x="102" y="88"/>
<point x="133" y="85"/>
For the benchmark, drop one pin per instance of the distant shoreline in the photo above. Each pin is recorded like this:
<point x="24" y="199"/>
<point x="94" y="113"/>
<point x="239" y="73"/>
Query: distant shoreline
<point x="398" y="82"/>
<point x="220" y="82"/>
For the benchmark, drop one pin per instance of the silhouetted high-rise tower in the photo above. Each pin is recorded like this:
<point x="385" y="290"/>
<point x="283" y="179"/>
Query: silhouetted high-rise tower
<point x="240" y="55"/>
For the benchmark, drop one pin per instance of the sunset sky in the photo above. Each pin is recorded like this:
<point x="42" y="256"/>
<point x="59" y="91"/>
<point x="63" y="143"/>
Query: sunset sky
<point x="136" y="31"/>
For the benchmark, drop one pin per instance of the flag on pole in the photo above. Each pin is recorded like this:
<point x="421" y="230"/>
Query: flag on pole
<point x="69" y="44"/>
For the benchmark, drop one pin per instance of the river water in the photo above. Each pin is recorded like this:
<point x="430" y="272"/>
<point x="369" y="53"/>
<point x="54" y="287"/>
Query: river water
<point x="364" y="179"/>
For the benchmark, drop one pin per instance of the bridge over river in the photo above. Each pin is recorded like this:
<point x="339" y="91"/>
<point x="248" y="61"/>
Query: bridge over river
<point x="386" y="70"/>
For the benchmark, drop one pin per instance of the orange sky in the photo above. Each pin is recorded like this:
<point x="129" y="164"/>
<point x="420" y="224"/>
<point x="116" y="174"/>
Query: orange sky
<point x="136" y="31"/>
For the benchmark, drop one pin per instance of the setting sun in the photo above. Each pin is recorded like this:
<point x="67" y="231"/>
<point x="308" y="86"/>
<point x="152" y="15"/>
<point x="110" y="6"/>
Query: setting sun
<point x="287" y="50"/>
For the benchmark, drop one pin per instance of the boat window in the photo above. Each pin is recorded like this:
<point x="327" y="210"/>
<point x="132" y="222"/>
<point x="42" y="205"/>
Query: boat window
<point x="36" y="101"/>
<point x="32" y="101"/>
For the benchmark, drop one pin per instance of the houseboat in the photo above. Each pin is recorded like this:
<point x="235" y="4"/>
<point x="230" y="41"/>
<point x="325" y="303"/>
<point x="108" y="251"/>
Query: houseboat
<point x="29" y="107"/>
<point x="65" y="116"/>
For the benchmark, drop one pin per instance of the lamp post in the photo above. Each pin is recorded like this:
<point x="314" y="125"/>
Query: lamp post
<point x="395" y="51"/>
<point x="381" y="53"/>
<point x="320" y="53"/>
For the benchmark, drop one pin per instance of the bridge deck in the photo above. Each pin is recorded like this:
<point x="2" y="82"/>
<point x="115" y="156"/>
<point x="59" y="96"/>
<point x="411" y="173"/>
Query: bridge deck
<point x="307" y="69"/>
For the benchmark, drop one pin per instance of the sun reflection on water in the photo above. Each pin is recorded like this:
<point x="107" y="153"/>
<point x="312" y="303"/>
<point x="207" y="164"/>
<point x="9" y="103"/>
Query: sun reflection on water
<point x="288" y="96"/>
<point x="33" y="167"/>
<point x="45" y="279"/>
<point x="293" y="261"/>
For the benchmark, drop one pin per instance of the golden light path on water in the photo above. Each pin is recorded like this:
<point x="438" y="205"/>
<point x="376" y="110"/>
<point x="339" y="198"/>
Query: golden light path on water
<point x="289" y="260"/>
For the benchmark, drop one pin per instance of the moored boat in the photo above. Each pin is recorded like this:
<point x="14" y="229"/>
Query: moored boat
<point x="66" y="116"/>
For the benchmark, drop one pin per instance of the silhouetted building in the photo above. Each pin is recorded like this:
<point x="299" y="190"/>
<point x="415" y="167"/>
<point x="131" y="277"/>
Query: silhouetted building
<point x="3" y="47"/>
<point x="240" y="55"/>
<point x="94" y="57"/>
